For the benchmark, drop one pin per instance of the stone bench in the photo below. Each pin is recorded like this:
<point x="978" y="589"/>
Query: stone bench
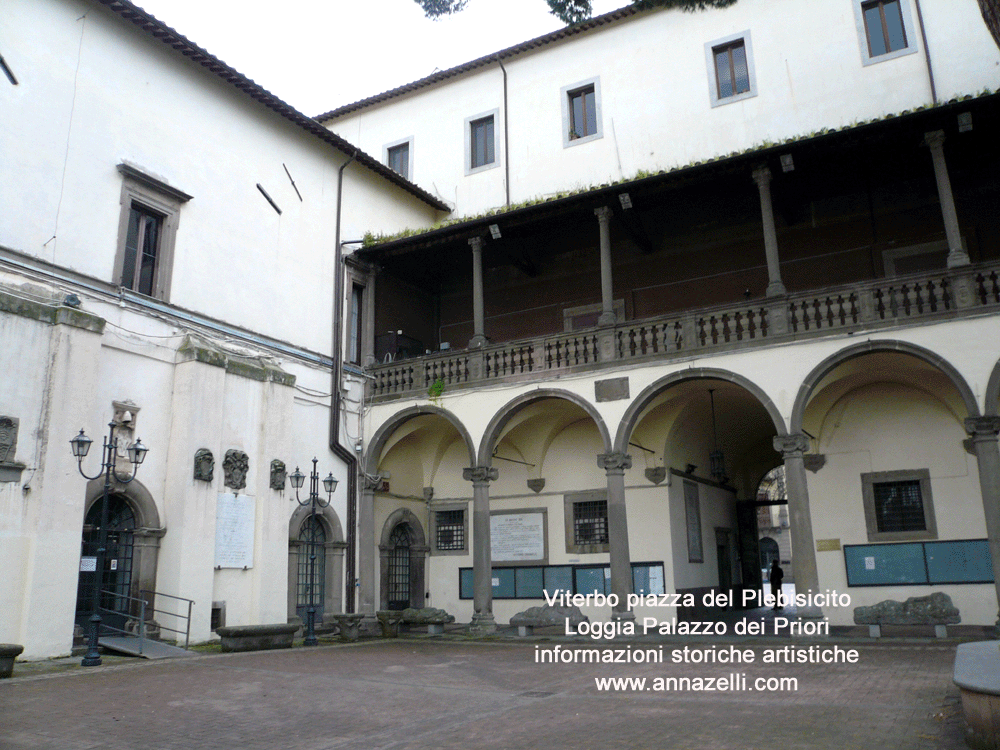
<point x="546" y="616"/>
<point x="8" y="653"/>
<point x="389" y="620"/>
<point x="434" y="619"/>
<point x="977" y="675"/>
<point x="935" y="609"/>
<point x="257" y="637"/>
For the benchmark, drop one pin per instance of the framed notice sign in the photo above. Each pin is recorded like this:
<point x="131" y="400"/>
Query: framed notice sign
<point x="518" y="537"/>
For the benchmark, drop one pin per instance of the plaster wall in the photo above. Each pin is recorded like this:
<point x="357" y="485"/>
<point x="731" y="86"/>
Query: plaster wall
<point x="655" y="105"/>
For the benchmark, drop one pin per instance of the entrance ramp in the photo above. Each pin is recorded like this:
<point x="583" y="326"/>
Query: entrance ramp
<point x="143" y="647"/>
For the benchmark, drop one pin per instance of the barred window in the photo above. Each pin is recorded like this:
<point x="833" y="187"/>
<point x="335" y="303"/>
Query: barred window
<point x="590" y="522"/>
<point x="899" y="506"/>
<point x="450" y="529"/>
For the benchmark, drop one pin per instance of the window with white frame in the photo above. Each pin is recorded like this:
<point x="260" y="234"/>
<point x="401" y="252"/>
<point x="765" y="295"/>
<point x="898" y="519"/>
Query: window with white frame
<point x="146" y="231"/>
<point x="581" y="112"/>
<point x="481" y="142"/>
<point x="399" y="157"/>
<point x="731" y="70"/>
<point x="885" y="29"/>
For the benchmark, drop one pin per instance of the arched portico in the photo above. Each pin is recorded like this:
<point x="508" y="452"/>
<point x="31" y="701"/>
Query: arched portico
<point x="403" y="551"/>
<point x="446" y="430"/>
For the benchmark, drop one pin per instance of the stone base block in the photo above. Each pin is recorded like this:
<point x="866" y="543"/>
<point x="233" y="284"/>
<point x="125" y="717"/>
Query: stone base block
<point x="389" y="621"/>
<point x="349" y="626"/>
<point x="875" y="631"/>
<point x="434" y="628"/>
<point x="257" y="637"/>
<point x="8" y="653"/>
<point x="525" y="630"/>
<point x="482" y="625"/>
<point x="941" y="631"/>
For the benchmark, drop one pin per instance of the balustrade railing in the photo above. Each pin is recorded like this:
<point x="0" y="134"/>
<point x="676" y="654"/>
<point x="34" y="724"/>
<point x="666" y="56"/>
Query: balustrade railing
<point x="866" y="305"/>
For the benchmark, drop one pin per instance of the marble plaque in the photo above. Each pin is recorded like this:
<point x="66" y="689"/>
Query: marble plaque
<point x="517" y="537"/>
<point x="235" y="516"/>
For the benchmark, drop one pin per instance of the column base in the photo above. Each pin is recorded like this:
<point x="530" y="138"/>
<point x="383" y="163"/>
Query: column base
<point x="776" y="289"/>
<point x="810" y="613"/>
<point x="957" y="258"/>
<point x="627" y="616"/>
<point x="482" y="624"/>
<point x="478" y="342"/>
<point x="607" y="319"/>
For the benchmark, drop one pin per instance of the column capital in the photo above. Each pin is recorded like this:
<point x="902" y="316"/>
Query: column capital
<point x="480" y="474"/>
<point x="372" y="483"/>
<point x="603" y="214"/>
<point x="614" y="463"/>
<point x="934" y="139"/>
<point x="791" y="446"/>
<point x="762" y="176"/>
<point x="476" y="243"/>
<point x="983" y="428"/>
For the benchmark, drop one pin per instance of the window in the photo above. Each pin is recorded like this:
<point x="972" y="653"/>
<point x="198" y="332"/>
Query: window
<point x="146" y="232"/>
<point x="449" y="529"/>
<point x="898" y="505"/>
<point x="884" y="29"/>
<point x="730" y="62"/>
<point x="692" y="519"/>
<point x="480" y="142"/>
<point x="590" y="522"/>
<point x="397" y="157"/>
<point x="581" y="112"/>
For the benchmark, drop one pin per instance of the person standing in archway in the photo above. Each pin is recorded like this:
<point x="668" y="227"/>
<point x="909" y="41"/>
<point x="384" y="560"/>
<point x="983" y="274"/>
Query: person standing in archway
<point x="776" y="575"/>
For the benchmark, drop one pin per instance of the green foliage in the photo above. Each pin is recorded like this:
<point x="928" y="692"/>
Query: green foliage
<point x="436" y="390"/>
<point x="576" y="11"/>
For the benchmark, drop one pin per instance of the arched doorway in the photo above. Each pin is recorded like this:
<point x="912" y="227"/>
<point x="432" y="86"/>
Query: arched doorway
<point x="116" y="582"/>
<point x="323" y="535"/>
<point x="768" y="552"/>
<point x="403" y="554"/>
<point x="310" y="582"/>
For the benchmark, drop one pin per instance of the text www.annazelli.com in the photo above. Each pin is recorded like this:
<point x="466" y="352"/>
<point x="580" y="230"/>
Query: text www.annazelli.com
<point x="732" y="683"/>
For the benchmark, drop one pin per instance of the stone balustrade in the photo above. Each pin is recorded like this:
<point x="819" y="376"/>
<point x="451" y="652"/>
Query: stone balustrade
<point x="871" y="305"/>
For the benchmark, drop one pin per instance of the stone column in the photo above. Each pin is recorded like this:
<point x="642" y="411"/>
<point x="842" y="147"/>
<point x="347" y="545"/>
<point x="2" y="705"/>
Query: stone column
<point x="482" y="562"/>
<point x="956" y="255"/>
<point x="775" y="287"/>
<point x="607" y="317"/>
<point x="792" y="448"/>
<point x="614" y="465"/>
<point x="366" y="549"/>
<point x="478" y="308"/>
<point x="984" y="439"/>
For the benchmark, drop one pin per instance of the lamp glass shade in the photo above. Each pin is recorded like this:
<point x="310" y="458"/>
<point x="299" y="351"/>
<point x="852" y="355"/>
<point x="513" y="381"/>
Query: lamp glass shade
<point x="329" y="484"/>
<point x="718" y="465"/>
<point x="137" y="452"/>
<point x="297" y="478"/>
<point x="81" y="445"/>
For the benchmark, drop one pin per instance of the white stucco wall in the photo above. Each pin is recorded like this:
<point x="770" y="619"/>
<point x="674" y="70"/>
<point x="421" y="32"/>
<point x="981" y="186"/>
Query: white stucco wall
<point x="655" y="102"/>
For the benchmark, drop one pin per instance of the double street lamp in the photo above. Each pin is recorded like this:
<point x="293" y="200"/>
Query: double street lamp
<point x="297" y="479"/>
<point x="109" y="458"/>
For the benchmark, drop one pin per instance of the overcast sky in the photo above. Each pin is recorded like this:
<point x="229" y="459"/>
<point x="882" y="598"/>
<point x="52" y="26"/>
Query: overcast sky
<point x="320" y="54"/>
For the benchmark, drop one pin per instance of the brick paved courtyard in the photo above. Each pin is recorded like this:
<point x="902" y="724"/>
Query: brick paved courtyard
<point x="443" y="693"/>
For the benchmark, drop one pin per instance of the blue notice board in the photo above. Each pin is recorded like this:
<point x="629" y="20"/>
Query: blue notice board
<point x="915" y="563"/>
<point x="959" y="562"/>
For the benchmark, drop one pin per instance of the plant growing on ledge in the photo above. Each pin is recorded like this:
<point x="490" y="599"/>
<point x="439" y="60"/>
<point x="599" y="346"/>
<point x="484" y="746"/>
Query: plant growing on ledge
<point x="435" y="391"/>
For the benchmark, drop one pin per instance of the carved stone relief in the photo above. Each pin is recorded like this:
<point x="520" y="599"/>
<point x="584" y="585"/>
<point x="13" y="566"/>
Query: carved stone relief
<point x="235" y="466"/>
<point x="8" y="439"/>
<point x="204" y="465"/>
<point x="278" y="474"/>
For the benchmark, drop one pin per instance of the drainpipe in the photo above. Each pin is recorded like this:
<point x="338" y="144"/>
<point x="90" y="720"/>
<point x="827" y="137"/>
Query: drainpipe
<point x="346" y="455"/>
<point x="927" y="52"/>
<point x="506" y="136"/>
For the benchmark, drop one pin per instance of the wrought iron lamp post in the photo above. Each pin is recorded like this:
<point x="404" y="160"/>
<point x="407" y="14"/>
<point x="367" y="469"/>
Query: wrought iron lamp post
<point x="109" y="458"/>
<point x="329" y="484"/>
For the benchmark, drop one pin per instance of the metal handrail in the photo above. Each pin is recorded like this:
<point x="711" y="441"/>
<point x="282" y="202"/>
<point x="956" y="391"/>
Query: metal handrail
<point x="186" y="618"/>
<point x="142" y="616"/>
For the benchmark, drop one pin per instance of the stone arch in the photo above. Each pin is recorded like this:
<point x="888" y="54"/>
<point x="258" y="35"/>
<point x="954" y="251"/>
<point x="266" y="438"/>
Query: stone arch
<point x="332" y="558"/>
<point x="145" y="538"/>
<point x="993" y="392"/>
<point x="417" y="559"/>
<point x="825" y="367"/>
<point x="512" y="407"/>
<point x="384" y="432"/>
<point x="629" y="419"/>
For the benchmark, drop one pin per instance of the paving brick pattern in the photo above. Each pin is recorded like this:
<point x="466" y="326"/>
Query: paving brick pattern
<point x="422" y="693"/>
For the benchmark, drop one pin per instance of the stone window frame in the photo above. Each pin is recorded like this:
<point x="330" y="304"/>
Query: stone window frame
<point x="462" y="505"/>
<point x="570" y="500"/>
<point x="395" y="145"/>
<point x="713" y="76"/>
<point x="497" y="155"/>
<point x="358" y="275"/>
<point x="566" y="94"/>
<point x="868" y="482"/>
<point x="156" y="197"/>
<point x="908" y="28"/>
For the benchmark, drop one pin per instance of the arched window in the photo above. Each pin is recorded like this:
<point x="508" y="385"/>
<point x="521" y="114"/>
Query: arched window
<point x="400" y="542"/>
<point x="311" y="553"/>
<point x="117" y="579"/>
